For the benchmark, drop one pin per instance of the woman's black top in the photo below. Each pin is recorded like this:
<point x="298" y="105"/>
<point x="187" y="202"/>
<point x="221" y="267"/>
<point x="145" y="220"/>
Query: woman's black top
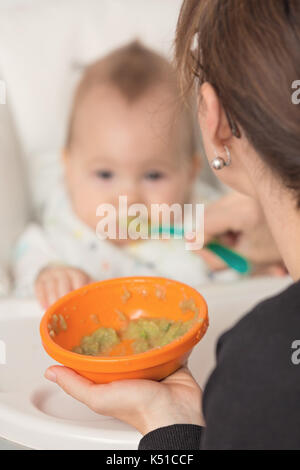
<point x="252" y="399"/>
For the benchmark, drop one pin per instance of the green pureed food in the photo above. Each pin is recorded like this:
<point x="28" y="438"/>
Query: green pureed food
<point x="146" y="333"/>
<point x="100" y="342"/>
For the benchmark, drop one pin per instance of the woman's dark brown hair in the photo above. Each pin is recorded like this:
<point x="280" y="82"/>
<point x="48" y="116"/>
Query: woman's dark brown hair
<point x="249" y="50"/>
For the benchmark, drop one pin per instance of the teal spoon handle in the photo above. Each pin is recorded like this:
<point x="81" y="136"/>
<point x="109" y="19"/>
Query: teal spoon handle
<point x="230" y="257"/>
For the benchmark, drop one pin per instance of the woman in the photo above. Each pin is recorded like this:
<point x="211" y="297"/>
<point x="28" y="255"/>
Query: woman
<point x="245" y="58"/>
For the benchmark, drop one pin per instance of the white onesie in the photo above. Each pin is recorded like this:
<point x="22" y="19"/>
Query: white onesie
<point x="64" y="239"/>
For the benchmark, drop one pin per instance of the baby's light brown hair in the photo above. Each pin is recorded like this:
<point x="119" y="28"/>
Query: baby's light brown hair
<point x="134" y="70"/>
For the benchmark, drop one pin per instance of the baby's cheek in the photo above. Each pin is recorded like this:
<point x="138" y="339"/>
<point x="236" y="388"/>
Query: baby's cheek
<point x="85" y="206"/>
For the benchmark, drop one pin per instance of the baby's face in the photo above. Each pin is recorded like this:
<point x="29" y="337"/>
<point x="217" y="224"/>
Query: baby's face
<point x="120" y="148"/>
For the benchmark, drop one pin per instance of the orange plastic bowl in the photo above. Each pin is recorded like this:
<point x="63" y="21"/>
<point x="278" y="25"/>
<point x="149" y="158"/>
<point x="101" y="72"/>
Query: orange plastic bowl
<point x="133" y="296"/>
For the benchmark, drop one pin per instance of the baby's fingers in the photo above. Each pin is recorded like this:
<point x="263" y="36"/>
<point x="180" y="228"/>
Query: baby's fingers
<point x="47" y="291"/>
<point x="63" y="283"/>
<point x="78" y="278"/>
<point x="53" y="283"/>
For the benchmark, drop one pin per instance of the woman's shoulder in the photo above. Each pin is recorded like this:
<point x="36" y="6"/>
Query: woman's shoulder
<point x="259" y="350"/>
<point x="254" y="389"/>
<point x="277" y="313"/>
<point x="272" y="324"/>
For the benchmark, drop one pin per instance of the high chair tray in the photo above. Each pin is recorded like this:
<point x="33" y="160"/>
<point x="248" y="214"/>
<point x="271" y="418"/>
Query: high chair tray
<point x="37" y="414"/>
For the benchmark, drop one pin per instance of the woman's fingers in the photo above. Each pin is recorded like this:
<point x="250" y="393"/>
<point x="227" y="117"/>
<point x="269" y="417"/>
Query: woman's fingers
<point x="233" y="213"/>
<point x="228" y="217"/>
<point x="214" y="262"/>
<point x="217" y="222"/>
<point x="144" y="404"/>
<point x="71" y="382"/>
<point x="117" y="399"/>
<point x="237" y="221"/>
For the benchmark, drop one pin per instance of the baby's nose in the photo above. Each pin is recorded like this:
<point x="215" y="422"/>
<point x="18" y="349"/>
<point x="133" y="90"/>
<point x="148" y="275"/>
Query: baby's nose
<point x="133" y="193"/>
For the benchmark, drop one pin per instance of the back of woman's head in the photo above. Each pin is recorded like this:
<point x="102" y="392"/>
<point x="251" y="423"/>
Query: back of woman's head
<point x="249" y="50"/>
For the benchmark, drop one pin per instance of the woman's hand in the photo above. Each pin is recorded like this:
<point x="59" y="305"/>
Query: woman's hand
<point x="237" y="221"/>
<point x="144" y="404"/>
<point x="54" y="282"/>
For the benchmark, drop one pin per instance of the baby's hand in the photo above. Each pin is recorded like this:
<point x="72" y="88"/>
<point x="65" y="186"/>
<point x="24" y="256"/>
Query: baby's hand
<point x="55" y="281"/>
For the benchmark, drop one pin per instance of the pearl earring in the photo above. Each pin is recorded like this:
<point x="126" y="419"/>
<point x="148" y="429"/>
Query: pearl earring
<point x="218" y="162"/>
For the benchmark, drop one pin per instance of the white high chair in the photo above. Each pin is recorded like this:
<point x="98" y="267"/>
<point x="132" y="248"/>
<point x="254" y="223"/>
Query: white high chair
<point x="43" y="44"/>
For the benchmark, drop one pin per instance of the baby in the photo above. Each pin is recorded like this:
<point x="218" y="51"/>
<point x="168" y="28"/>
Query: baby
<point x="128" y="135"/>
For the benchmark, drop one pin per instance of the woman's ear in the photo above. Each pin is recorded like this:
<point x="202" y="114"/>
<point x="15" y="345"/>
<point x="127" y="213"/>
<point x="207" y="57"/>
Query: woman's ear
<point x="212" y="117"/>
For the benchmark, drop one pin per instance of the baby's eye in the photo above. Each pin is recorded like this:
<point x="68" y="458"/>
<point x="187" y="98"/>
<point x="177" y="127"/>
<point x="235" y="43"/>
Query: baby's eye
<point x="104" y="174"/>
<point x="154" y="175"/>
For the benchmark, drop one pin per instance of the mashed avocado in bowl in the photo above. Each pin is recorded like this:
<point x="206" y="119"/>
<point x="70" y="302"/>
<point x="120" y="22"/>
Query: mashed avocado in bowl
<point x="145" y="333"/>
